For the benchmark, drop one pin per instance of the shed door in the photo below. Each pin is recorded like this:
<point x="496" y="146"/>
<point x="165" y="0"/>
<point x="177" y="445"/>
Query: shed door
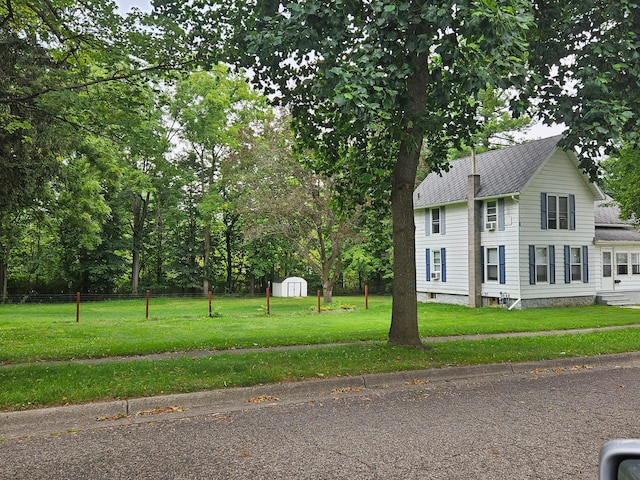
<point x="294" y="289"/>
<point x="607" y="270"/>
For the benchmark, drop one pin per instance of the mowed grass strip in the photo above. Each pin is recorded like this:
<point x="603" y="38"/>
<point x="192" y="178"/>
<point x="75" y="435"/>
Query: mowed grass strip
<point x="32" y="333"/>
<point x="41" y="385"/>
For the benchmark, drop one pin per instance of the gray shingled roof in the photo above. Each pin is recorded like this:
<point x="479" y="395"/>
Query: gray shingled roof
<point x="610" y="227"/>
<point x="502" y="172"/>
<point x="606" y="234"/>
<point x="607" y="213"/>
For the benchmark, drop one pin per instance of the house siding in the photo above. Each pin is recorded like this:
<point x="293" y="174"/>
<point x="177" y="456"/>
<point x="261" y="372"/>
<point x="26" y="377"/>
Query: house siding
<point x="454" y="240"/>
<point x="628" y="283"/>
<point x="507" y="238"/>
<point x="558" y="176"/>
<point x="517" y="233"/>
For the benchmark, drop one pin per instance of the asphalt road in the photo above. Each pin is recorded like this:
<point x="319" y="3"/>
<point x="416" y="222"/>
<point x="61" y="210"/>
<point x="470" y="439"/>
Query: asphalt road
<point x="546" y="422"/>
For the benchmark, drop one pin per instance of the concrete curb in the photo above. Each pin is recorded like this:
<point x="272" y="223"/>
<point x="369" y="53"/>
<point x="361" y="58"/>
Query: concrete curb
<point x="58" y="420"/>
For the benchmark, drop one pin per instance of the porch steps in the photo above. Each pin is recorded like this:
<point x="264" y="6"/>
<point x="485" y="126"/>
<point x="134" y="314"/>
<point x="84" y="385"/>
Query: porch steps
<point x="615" y="299"/>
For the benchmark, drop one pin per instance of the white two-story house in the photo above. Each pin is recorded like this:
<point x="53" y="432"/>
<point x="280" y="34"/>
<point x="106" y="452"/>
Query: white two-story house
<point x="517" y="227"/>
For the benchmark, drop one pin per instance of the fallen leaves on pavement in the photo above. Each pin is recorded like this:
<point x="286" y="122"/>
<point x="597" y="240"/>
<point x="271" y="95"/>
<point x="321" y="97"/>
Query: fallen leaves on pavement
<point x="263" y="398"/>
<point x="574" y="368"/>
<point x="119" y="416"/>
<point x="417" y="382"/>
<point x="159" y="410"/>
<point x="346" y="390"/>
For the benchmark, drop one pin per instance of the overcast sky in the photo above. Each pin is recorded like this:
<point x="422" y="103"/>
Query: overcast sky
<point x="126" y="5"/>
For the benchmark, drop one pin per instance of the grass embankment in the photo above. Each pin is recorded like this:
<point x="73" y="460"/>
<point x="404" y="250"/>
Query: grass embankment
<point x="32" y="333"/>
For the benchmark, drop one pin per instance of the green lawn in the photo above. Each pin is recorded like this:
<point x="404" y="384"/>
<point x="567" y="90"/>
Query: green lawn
<point x="32" y="333"/>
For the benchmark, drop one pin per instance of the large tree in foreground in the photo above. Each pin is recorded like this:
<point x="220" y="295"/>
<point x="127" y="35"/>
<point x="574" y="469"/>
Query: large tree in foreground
<point x="369" y="81"/>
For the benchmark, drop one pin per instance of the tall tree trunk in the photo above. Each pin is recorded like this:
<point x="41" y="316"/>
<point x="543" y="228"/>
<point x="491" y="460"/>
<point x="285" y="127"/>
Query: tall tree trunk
<point x="404" y="314"/>
<point x="327" y="291"/>
<point x="139" y="208"/>
<point x="135" y="270"/>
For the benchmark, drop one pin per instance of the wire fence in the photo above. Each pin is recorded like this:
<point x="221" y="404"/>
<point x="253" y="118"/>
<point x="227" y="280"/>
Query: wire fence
<point x="35" y="297"/>
<point x="90" y="297"/>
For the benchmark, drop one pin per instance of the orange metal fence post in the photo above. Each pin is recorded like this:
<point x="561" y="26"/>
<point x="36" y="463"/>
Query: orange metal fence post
<point x="318" y="301"/>
<point x="77" y="307"/>
<point x="147" y="311"/>
<point x="210" y="297"/>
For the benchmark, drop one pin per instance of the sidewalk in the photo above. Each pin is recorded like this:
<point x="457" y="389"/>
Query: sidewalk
<point x="59" y="420"/>
<point x="208" y="353"/>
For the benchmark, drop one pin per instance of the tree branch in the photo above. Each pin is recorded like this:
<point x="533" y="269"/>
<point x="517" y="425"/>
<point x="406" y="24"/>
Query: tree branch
<point x="116" y="77"/>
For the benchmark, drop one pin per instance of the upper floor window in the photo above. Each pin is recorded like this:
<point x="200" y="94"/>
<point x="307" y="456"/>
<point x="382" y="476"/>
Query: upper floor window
<point x="492" y="211"/>
<point x="558" y="212"/>
<point x="435" y="220"/>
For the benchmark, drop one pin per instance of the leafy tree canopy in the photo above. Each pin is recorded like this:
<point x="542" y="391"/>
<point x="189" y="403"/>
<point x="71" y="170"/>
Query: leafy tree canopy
<point x="585" y="73"/>
<point x="368" y="81"/>
<point x="622" y="181"/>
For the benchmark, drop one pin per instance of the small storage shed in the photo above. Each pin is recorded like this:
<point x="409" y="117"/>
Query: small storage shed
<point x="290" y="287"/>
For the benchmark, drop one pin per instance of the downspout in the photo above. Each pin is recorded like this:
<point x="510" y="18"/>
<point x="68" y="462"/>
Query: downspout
<point x="514" y="304"/>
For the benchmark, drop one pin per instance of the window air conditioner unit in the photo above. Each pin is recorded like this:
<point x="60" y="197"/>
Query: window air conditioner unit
<point x="435" y="275"/>
<point x="490" y="226"/>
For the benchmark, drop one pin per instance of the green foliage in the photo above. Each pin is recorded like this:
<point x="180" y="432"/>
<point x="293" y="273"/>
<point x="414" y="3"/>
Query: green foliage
<point x="69" y="71"/>
<point x="585" y="65"/>
<point x="216" y="111"/>
<point x="348" y="86"/>
<point x="622" y="181"/>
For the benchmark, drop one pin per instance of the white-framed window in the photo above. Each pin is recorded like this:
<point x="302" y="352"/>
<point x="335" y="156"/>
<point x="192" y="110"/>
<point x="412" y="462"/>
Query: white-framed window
<point x="435" y="220"/>
<point x="437" y="262"/>
<point x="492" y="211"/>
<point x="492" y="264"/>
<point x="542" y="264"/>
<point x="557" y="212"/>
<point x="635" y="263"/>
<point x="576" y="264"/>
<point x="563" y="213"/>
<point x="622" y="263"/>
<point x="606" y="264"/>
